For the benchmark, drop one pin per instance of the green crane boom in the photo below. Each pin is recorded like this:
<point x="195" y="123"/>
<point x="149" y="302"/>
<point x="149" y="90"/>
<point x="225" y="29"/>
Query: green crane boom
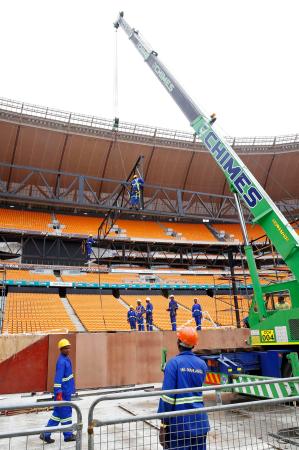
<point x="268" y="327"/>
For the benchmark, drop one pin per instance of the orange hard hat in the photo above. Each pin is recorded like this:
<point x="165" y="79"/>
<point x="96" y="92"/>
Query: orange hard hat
<point x="188" y="337"/>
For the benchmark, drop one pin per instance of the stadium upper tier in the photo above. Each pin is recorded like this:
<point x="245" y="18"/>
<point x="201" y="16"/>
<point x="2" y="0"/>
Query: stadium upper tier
<point x="22" y="220"/>
<point x="59" y="141"/>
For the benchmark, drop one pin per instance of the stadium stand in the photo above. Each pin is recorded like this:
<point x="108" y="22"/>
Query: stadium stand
<point x="161" y="316"/>
<point x="78" y="224"/>
<point x="142" y="229"/>
<point x="32" y="313"/>
<point x="104" y="278"/>
<point x="13" y="219"/>
<point x="234" y="230"/>
<point x="192" y="232"/>
<point x="27" y="275"/>
<point x="99" y="313"/>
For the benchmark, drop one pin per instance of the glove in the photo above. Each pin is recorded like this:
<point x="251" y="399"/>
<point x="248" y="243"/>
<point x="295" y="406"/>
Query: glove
<point x="164" y="436"/>
<point x="58" y="397"/>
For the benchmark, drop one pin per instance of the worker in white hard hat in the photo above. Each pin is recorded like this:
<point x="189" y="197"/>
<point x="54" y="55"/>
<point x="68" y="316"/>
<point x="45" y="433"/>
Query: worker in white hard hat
<point x="64" y="387"/>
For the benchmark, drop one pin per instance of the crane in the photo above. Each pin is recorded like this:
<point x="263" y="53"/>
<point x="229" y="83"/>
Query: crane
<point x="268" y="327"/>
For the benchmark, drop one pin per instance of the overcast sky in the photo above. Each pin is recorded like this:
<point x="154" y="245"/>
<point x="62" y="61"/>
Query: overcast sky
<point x="238" y="58"/>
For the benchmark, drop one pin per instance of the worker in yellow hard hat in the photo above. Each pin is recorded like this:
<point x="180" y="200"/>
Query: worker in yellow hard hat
<point x="132" y="317"/>
<point x="64" y="387"/>
<point x="136" y="192"/>
<point x="186" y="370"/>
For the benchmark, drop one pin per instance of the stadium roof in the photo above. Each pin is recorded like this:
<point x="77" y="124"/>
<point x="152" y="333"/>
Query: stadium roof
<point x="45" y="138"/>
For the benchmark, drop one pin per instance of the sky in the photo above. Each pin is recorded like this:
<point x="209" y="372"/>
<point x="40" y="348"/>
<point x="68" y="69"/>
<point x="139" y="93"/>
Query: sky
<point x="238" y="58"/>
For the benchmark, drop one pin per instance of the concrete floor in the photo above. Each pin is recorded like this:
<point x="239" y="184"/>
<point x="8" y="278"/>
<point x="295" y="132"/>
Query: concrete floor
<point x="244" y="429"/>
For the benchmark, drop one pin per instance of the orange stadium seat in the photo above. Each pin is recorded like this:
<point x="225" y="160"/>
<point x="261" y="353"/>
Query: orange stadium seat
<point x="142" y="229"/>
<point x="254" y="231"/>
<point x="27" y="275"/>
<point x="13" y="219"/>
<point x="31" y="313"/>
<point x="192" y="232"/>
<point x="103" y="278"/>
<point x="100" y="313"/>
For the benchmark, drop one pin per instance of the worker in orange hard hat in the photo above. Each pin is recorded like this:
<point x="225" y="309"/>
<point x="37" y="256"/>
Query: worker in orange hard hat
<point x="64" y="387"/>
<point x="186" y="370"/>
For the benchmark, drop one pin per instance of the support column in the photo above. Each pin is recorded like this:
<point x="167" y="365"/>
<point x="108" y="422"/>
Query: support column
<point x="234" y="287"/>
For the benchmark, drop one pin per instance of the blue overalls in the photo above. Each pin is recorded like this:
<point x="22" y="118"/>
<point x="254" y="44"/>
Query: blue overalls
<point x="197" y="314"/>
<point x="88" y="246"/>
<point x="64" y="382"/>
<point x="172" y="308"/>
<point x="132" y="319"/>
<point x="149" y="316"/>
<point x="135" y="193"/>
<point x="189" y="432"/>
<point x="140" y="320"/>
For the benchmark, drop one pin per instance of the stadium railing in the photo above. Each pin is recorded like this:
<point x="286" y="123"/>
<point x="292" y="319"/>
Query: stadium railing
<point x="67" y="118"/>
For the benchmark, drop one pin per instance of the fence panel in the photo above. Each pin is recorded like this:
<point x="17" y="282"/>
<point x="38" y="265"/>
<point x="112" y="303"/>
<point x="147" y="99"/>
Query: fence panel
<point x="19" y="439"/>
<point x="257" y="425"/>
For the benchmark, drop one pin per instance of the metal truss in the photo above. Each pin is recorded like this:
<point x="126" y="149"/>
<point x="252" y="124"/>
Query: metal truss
<point x="77" y="191"/>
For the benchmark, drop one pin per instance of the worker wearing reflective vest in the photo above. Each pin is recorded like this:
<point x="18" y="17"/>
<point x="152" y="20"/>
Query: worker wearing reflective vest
<point x="136" y="191"/>
<point x="149" y="314"/>
<point x="140" y="310"/>
<point x="64" y="387"/>
<point x="132" y="317"/>
<point x="197" y="314"/>
<point x="186" y="370"/>
<point x="172" y="308"/>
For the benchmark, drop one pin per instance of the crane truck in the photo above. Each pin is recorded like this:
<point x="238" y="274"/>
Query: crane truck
<point x="274" y="334"/>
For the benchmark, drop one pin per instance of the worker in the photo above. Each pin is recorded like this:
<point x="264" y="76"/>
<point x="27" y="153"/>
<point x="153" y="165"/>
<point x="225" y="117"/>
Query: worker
<point x="140" y="310"/>
<point x="132" y="317"/>
<point x="172" y="308"/>
<point x="197" y="313"/>
<point x="149" y="314"/>
<point x="88" y="246"/>
<point x="186" y="370"/>
<point x="136" y="192"/>
<point x="64" y="387"/>
<point x="281" y="303"/>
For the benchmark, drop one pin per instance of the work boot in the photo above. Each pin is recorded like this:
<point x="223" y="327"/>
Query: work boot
<point x="47" y="440"/>
<point x="70" y="439"/>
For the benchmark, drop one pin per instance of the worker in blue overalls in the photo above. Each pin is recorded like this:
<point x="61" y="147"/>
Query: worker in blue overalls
<point x="136" y="192"/>
<point x="64" y="387"/>
<point x="149" y="314"/>
<point x="132" y="317"/>
<point x="197" y="313"/>
<point x="186" y="370"/>
<point x="88" y="246"/>
<point x="172" y="308"/>
<point x="140" y="310"/>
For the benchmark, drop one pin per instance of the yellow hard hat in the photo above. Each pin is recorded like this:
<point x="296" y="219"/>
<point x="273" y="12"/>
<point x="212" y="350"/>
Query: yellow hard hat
<point x="131" y="306"/>
<point x="63" y="343"/>
<point x="90" y="235"/>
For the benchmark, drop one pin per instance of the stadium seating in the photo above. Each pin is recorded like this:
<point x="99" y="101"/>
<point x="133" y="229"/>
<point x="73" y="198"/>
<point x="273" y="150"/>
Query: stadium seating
<point x="142" y="229"/>
<point x="27" y="275"/>
<point x="83" y="225"/>
<point x="99" y="313"/>
<point x="192" y="232"/>
<point x="103" y="278"/>
<point x="13" y="219"/>
<point x="254" y="231"/>
<point x="161" y="316"/>
<point x="31" y="313"/>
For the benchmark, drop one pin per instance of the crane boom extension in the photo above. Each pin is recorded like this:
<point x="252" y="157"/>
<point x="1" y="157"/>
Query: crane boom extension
<point x="240" y="179"/>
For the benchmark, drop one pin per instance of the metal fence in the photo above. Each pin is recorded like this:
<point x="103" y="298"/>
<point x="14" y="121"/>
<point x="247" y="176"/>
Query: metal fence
<point x="264" y="424"/>
<point x="28" y="438"/>
<point x="130" y="421"/>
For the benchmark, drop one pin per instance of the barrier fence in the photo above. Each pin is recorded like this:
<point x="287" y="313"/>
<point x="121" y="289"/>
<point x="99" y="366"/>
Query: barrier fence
<point x="20" y="439"/>
<point x="257" y="425"/>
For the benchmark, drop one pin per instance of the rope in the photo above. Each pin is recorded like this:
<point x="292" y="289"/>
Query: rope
<point x="115" y="77"/>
